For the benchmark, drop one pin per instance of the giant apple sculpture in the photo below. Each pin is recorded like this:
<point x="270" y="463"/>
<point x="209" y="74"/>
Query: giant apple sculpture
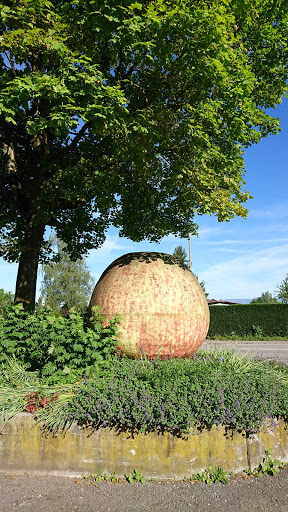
<point x="163" y="310"/>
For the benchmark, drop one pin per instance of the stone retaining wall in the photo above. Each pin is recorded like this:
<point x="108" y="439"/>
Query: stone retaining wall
<point x="23" y="447"/>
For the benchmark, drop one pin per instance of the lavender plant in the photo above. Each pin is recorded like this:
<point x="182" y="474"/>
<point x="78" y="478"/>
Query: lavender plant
<point x="175" y="395"/>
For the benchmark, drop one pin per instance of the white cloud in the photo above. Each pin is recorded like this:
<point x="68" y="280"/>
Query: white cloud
<point x="276" y="211"/>
<point x="111" y="244"/>
<point x="170" y="238"/>
<point x="249" y="275"/>
<point x="206" y="232"/>
<point x="251" y="241"/>
<point x="224" y="249"/>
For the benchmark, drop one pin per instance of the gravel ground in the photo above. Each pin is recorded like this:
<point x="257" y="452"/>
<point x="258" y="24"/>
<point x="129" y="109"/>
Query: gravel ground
<point x="61" y="494"/>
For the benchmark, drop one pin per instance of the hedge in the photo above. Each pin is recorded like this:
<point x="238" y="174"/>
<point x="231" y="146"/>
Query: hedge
<point x="247" y="319"/>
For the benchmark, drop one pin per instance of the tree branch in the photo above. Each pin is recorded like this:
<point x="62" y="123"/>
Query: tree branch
<point x="119" y="65"/>
<point x="11" y="62"/>
<point x="76" y="139"/>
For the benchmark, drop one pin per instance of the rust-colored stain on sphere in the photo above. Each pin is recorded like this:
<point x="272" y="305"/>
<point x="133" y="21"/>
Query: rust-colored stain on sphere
<point x="164" y="312"/>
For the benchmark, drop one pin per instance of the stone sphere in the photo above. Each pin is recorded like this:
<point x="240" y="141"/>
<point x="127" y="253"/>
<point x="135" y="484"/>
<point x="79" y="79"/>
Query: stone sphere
<point x="163" y="310"/>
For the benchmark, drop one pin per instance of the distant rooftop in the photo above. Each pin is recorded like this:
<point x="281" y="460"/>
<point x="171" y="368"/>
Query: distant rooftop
<point x="214" y="302"/>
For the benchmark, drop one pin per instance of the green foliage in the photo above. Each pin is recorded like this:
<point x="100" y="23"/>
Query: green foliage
<point x="249" y="320"/>
<point x="6" y="297"/>
<point x="218" y="388"/>
<point x="66" y="284"/>
<point x="212" y="474"/>
<point x="57" y="347"/>
<point x="175" y="395"/>
<point x="99" y="476"/>
<point x="265" y="298"/>
<point x="269" y="466"/>
<point x="257" y="332"/>
<point x="18" y="386"/>
<point x="131" y="114"/>
<point x="181" y="256"/>
<point x="283" y="291"/>
<point x="135" y="477"/>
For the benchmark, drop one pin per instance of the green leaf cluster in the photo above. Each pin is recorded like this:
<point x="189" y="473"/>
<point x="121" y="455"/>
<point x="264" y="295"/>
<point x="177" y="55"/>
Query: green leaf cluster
<point x="18" y="386"/>
<point x="212" y="474"/>
<point x="57" y="347"/>
<point x="265" y="298"/>
<point x="66" y="284"/>
<point x="269" y="466"/>
<point x="135" y="477"/>
<point x="99" y="476"/>
<point x="282" y="293"/>
<point x="180" y="255"/>
<point x="6" y="297"/>
<point x="130" y="114"/>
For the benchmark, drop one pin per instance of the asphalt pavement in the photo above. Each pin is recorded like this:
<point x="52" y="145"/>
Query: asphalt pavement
<point x="262" y="349"/>
<point x="28" y="493"/>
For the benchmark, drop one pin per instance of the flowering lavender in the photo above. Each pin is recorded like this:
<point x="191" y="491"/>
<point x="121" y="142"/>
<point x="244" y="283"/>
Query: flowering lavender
<point x="175" y="394"/>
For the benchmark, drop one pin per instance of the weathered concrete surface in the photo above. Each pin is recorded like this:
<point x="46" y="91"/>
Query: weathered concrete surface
<point x="274" y="437"/>
<point x="163" y="309"/>
<point x="24" y="448"/>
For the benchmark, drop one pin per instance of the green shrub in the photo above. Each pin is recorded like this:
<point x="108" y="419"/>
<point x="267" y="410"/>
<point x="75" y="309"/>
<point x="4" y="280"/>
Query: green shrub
<point x="174" y="395"/>
<point x="54" y="345"/>
<point x="244" y="320"/>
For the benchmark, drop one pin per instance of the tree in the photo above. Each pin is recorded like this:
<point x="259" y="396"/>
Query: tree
<point x="283" y="291"/>
<point x="265" y="298"/>
<point x="6" y="297"/>
<point x="181" y="255"/>
<point x="129" y="114"/>
<point x="66" y="283"/>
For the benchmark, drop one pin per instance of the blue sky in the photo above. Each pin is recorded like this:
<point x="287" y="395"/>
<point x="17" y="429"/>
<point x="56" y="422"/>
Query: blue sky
<point x="238" y="259"/>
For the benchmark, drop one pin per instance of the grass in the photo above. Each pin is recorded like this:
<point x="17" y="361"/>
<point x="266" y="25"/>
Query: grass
<point x="22" y="390"/>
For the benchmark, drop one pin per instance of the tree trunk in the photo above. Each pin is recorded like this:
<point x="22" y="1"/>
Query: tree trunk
<point x="28" y="264"/>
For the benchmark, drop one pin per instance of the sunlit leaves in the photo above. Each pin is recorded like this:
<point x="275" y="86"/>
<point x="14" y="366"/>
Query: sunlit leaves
<point x="133" y="113"/>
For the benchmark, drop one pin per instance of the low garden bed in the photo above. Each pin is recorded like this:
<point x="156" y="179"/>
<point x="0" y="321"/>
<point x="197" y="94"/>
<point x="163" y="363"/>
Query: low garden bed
<point x="64" y="376"/>
<point x="211" y="388"/>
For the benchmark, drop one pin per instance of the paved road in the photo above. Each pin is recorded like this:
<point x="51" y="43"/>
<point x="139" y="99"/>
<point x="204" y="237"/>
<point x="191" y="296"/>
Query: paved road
<point x="28" y="493"/>
<point x="263" y="349"/>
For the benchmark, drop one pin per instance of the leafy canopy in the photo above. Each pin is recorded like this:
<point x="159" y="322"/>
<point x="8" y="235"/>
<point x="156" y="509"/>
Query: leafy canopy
<point x="282" y="293"/>
<point x="66" y="284"/>
<point x="265" y="298"/>
<point x="134" y="114"/>
<point x="6" y="298"/>
<point x="180" y="255"/>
